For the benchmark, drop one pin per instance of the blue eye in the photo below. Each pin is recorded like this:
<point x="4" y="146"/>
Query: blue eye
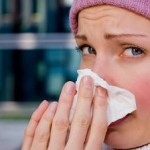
<point x="86" y="50"/>
<point x="133" y="52"/>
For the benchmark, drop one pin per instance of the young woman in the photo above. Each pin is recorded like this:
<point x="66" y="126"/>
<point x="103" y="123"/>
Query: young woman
<point x="113" y="37"/>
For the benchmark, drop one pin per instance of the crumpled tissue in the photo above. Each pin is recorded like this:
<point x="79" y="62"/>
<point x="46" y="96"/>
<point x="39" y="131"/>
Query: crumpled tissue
<point x="120" y="101"/>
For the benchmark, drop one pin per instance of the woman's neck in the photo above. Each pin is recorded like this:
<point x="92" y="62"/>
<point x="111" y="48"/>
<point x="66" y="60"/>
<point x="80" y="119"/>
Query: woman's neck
<point x="144" y="147"/>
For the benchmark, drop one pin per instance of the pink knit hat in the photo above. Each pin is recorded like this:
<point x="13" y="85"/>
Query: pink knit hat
<point x="141" y="7"/>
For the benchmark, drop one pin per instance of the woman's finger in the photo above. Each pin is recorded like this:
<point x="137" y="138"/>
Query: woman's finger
<point x="61" y="120"/>
<point x="42" y="133"/>
<point x="82" y="116"/>
<point x="30" y="130"/>
<point x="99" y="122"/>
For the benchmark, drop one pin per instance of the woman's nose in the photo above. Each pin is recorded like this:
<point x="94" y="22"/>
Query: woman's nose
<point x="104" y="69"/>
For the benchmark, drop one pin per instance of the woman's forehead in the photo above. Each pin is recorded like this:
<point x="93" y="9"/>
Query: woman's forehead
<point x="96" y="12"/>
<point x="116" y="19"/>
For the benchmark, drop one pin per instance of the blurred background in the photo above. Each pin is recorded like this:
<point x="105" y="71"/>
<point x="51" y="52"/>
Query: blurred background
<point x="37" y="57"/>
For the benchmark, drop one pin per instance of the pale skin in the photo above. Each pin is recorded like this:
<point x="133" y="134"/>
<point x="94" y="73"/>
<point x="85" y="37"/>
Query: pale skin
<point x="115" y="44"/>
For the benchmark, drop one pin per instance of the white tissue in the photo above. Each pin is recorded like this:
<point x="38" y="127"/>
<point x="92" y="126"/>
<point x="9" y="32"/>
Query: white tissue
<point x="120" y="101"/>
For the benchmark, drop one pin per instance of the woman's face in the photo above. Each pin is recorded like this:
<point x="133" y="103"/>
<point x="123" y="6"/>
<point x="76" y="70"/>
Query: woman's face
<point x="115" y="43"/>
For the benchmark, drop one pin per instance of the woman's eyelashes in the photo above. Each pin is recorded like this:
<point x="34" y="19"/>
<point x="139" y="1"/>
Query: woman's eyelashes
<point x="128" y="51"/>
<point x="133" y="51"/>
<point x="86" y="50"/>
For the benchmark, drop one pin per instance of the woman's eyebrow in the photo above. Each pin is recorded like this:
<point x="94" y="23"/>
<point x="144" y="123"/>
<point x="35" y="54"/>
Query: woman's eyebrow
<point x="109" y="36"/>
<point x="81" y="37"/>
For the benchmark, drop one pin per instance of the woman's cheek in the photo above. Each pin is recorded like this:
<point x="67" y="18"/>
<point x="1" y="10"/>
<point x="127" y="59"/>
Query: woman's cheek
<point x="141" y="89"/>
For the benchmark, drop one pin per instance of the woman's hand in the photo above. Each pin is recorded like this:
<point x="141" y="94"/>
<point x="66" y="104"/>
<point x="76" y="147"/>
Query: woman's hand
<point x="49" y="126"/>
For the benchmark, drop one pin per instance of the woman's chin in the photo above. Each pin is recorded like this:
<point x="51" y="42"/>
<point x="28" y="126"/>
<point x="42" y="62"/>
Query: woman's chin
<point x="116" y="136"/>
<point x="116" y="145"/>
<point x="120" y="142"/>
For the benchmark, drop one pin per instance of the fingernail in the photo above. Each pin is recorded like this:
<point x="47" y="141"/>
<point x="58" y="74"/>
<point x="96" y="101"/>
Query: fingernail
<point x="70" y="87"/>
<point x="53" y="106"/>
<point x="45" y="102"/>
<point x="88" y="81"/>
<point x="101" y="92"/>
